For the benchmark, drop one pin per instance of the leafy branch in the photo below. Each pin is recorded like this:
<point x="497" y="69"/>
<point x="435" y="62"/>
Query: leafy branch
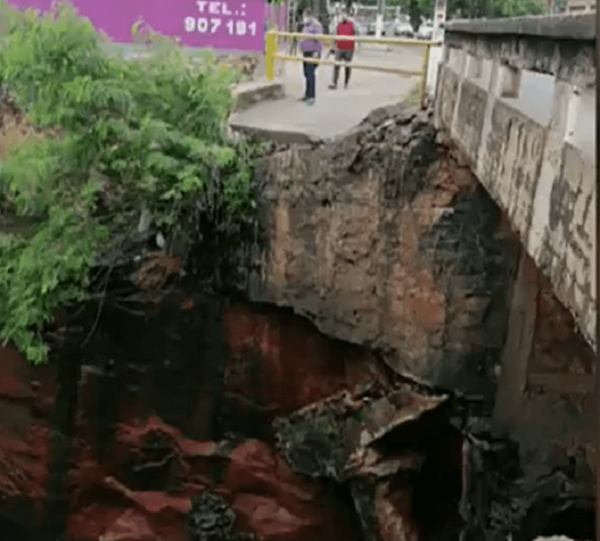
<point x="119" y="138"/>
<point x="421" y="10"/>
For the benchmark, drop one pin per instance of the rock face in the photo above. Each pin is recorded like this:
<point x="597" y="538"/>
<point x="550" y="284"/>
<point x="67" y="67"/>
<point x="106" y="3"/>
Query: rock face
<point x="380" y="238"/>
<point x="390" y="375"/>
<point x="383" y="238"/>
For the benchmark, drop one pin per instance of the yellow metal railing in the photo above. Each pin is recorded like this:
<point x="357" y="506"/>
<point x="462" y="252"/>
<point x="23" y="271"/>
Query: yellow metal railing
<point x="271" y="54"/>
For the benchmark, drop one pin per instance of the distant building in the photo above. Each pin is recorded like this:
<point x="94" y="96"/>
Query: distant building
<point x="580" y="6"/>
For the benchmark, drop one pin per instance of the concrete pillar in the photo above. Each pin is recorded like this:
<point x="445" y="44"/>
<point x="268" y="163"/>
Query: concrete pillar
<point x="379" y="19"/>
<point x="564" y="112"/>
<point x="439" y="20"/>
<point x="379" y="25"/>
<point x="493" y="89"/>
<point x="435" y="53"/>
<point x="457" y="60"/>
<point x="573" y="102"/>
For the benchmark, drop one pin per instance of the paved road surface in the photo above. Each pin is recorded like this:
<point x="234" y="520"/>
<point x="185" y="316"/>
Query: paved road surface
<point x="335" y="111"/>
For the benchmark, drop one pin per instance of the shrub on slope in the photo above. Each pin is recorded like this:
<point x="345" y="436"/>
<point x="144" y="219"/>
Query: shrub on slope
<point x="122" y="138"/>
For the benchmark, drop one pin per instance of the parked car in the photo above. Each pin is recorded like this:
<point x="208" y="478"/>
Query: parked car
<point x="425" y="31"/>
<point x="387" y="30"/>
<point x="360" y="28"/>
<point x="404" y="29"/>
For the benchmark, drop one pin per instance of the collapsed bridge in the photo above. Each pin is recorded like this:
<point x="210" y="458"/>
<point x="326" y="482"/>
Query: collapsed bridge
<point x="400" y="351"/>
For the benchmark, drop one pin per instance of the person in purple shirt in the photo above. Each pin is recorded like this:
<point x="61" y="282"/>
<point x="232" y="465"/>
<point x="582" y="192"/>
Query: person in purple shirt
<point x="311" y="48"/>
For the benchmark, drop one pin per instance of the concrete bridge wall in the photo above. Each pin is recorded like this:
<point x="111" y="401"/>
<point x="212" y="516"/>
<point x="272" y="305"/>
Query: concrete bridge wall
<point x="518" y="98"/>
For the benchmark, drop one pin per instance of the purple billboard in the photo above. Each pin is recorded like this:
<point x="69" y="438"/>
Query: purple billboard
<point x="221" y="24"/>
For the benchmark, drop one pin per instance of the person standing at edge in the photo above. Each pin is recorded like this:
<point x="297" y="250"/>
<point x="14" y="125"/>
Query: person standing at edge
<point x="311" y="48"/>
<point x="344" y="50"/>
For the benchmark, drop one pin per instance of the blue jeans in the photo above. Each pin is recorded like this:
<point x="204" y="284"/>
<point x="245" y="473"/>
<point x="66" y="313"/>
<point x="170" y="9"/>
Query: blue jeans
<point x="309" y="76"/>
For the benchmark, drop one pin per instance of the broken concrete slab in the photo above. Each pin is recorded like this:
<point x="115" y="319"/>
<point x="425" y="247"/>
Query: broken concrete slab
<point x="250" y="93"/>
<point x="335" y="438"/>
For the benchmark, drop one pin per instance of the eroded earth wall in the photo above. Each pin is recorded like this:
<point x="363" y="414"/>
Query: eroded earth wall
<point x="385" y="238"/>
<point x="380" y="375"/>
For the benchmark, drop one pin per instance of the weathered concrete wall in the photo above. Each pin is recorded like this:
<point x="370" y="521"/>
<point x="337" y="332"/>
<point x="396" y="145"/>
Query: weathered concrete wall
<point x="518" y="99"/>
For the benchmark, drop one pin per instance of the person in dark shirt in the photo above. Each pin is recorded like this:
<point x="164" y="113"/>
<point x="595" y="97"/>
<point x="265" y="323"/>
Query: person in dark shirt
<point x="344" y="50"/>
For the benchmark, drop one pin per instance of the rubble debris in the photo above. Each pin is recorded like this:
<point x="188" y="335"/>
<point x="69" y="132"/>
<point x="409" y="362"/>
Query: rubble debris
<point x="212" y="519"/>
<point x="334" y="438"/>
<point x="346" y="438"/>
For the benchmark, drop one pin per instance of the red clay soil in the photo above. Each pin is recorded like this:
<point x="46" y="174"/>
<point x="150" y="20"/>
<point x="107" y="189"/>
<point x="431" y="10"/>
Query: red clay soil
<point x="296" y="366"/>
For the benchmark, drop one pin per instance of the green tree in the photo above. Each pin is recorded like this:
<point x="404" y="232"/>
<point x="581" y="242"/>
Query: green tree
<point x="474" y="9"/>
<point x="420" y="10"/>
<point x="121" y="138"/>
<point x="416" y="10"/>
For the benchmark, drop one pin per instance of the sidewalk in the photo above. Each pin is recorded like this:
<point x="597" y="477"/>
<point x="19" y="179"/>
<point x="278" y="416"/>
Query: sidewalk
<point x="338" y="110"/>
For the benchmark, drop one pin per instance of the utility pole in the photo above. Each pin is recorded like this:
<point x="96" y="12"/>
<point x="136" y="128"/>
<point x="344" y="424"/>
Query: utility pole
<point x="379" y="19"/>
<point x="436" y="53"/>
<point x="322" y="14"/>
<point x="439" y="20"/>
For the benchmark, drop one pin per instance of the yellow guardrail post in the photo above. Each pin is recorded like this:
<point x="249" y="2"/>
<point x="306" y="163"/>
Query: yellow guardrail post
<point x="270" y="50"/>
<point x="425" y="68"/>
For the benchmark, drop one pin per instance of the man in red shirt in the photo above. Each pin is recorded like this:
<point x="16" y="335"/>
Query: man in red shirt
<point x="344" y="50"/>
